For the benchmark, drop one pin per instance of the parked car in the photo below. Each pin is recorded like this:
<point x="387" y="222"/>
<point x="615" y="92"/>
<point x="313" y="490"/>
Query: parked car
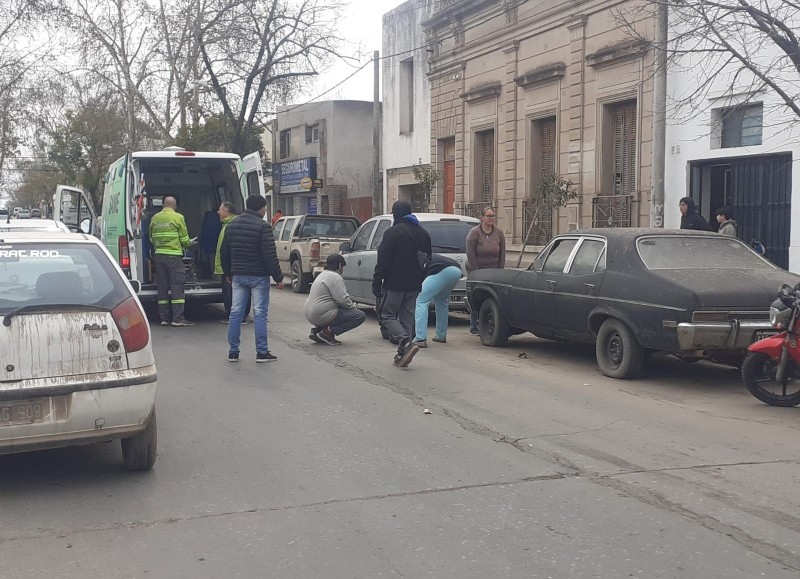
<point x="448" y="237"/>
<point x="632" y="292"/>
<point x="36" y="213"/>
<point x="33" y="225"/>
<point x="3" y="213"/>
<point x="304" y="242"/>
<point x="77" y="361"/>
<point x="24" y="214"/>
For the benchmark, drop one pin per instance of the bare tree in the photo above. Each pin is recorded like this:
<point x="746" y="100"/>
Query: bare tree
<point x="746" y="45"/>
<point x="257" y="53"/>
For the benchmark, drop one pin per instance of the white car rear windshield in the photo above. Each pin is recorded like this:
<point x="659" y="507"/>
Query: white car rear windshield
<point x="58" y="274"/>
<point x="686" y="252"/>
<point x="448" y="236"/>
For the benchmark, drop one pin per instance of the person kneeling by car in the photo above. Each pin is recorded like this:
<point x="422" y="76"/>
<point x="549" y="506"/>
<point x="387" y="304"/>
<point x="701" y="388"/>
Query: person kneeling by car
<point x="329" y="307"/>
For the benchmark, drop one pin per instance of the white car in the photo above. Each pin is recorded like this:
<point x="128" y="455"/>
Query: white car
<point x="32" y="225"/>
<point x="448" y="237"/>
<point x="76" y="361"/>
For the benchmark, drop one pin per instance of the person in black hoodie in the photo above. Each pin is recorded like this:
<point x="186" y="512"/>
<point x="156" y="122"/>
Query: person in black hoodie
<point x="690" y="218"/>
<point x="249" y="258"/>
<point x="403" y="258"/>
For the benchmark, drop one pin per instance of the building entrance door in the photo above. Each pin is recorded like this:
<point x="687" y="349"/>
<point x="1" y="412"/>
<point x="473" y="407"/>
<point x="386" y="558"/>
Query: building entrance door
<point x="449" y="186"/>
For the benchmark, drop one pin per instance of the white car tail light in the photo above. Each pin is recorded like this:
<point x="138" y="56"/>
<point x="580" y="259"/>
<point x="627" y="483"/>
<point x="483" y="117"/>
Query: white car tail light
<point x="132" y="325"/>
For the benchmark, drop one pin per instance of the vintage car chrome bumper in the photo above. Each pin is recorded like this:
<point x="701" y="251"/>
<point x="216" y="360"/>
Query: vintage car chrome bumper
<point x="732" y="335"/>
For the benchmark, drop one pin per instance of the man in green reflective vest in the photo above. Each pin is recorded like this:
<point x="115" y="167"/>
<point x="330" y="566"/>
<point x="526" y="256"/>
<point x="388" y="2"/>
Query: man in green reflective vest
<point x="169" y="237"/>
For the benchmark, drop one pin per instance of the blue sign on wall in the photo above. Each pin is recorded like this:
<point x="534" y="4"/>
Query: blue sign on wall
<point x="312" y="206"/>
<point x="288" y="175"/>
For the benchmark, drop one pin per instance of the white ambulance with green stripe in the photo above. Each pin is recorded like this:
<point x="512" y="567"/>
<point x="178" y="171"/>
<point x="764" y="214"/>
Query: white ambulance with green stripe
<point x="134" y="189"/>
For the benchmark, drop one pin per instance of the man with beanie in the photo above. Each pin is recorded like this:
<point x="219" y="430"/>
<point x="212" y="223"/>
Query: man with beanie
<point x="249" y="259"/>
<point x="329" y="307"/>
<point x="403" y="258"/>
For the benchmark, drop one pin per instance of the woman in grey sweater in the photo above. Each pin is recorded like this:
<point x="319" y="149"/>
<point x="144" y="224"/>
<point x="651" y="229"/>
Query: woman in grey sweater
<point x="486" y="248"/>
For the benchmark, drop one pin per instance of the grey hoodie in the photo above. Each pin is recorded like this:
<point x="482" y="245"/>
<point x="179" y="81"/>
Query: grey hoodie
<point x="327" y="295"/>
<point x="728" y="228"/>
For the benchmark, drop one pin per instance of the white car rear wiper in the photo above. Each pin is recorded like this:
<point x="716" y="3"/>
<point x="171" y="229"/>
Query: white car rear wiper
<point x="449" y="247"/>
<point x="47" y="307"/>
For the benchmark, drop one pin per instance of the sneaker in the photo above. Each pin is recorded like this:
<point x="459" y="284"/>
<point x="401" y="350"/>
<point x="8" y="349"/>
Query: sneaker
<point x="244" y="322"/>
<point x="474" y="332"/>
<point x="233" y="356"/>
<point x="225" y="321"/>
<point x="163" y="323"/>
<point x="182" y="324"/>
<point x="421" y="343"/>
<point x="327" y="336"/>
<point x="313" y="336"/>
<point x="265" y="357"/>
<point x="440" y="340"/>
<point x="404" y="359"/>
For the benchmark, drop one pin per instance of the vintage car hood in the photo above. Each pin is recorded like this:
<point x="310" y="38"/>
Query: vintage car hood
<point x="729" y="288"/>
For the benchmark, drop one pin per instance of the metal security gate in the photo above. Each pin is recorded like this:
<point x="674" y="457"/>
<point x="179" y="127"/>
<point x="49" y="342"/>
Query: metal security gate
<point x="761" y="198"/>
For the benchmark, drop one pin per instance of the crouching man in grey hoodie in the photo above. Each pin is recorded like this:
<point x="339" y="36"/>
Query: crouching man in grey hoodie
<point x="328" y="306"/>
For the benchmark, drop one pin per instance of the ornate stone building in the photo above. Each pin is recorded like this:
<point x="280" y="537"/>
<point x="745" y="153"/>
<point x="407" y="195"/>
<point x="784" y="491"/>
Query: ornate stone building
<point x="523" y="88"/>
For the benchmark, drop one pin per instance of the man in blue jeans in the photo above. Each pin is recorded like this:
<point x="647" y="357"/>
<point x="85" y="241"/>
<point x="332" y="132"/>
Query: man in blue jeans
<point x="249" y="258"/>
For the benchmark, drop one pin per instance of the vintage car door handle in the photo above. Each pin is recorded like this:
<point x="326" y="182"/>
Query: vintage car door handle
<point x="359" y="262"/>
<point x="589" y="287"/>
<point x="552" y="283"/>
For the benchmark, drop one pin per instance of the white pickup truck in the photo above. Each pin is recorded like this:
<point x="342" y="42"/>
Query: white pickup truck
<point x="304" y="242"/>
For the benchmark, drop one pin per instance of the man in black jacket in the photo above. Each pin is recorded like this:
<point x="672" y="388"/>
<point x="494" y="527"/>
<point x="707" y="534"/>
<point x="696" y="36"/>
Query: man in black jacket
<point x="403" y="256"/>
<point x="248" y="256"/>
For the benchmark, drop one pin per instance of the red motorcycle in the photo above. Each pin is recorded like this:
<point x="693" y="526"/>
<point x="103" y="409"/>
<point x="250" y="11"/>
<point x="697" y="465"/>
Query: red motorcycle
<point x="771" y="369"/>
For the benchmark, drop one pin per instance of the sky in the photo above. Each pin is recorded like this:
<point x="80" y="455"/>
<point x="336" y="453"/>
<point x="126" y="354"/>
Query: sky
<point x="362" y="25"/>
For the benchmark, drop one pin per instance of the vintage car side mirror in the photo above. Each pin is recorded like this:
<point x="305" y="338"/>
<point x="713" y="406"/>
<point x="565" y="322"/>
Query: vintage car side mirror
<point x="344" y="247"/>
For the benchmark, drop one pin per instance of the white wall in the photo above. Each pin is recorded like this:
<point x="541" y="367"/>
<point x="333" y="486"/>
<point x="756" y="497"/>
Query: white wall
<point x="402" y="32"/>
<point x="689" y="136"/>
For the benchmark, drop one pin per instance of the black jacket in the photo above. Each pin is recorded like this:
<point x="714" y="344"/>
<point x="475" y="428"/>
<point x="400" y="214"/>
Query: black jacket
<point x="692" y="219"/>
<point x="248" y="248"/>
<point x="441" y="262"/>
<point x="398" y="267"/>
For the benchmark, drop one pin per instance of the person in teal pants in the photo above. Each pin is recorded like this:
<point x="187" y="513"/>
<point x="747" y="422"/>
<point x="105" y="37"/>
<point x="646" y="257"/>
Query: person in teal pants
<point x="443" y="274"/>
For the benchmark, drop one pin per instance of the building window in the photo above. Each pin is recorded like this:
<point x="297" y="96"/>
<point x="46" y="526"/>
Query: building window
<point x="285" y="137"/>
<point x="742" y="126"/>
<point x="620" y="134"/>
<point x="312" y="133"/>
<point x="484" y="164"/>
<point x="407" y="96"/>
<point x="543" y="151"/>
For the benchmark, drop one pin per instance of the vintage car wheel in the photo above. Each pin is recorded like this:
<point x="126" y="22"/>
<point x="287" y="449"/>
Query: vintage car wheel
<point x="139" y="452"/>
<point x="619" y="354"/>
<point x="758" y="375"/>
<point x="300" y="281"/>
<point x="493" y="327"/>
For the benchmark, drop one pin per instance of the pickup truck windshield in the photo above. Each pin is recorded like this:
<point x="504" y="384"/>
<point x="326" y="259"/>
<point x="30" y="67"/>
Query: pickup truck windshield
<point x="328" y="227"/>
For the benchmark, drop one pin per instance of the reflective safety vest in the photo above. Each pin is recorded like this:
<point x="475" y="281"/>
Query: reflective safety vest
<point x="168" y="232"/>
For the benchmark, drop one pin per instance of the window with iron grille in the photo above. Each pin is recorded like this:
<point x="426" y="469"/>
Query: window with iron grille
<point x="484" y="163"/>
<point x="623" y="117"/>
<point x="543" y="151"/>
<point x="284" y="143"/>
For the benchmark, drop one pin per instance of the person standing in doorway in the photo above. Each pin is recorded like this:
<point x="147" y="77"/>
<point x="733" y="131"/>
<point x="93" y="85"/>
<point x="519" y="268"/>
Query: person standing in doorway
<point x="329" y="307"/>
<point x="249" y="258"/>
<point x="727" y="226"/>
<point x="227" y="213"/>
<point x="486" y="248"/>
<point x="690" y="218"/>
<point x="403" y="258"/>
<point x="443" y="274"/>
<point x="169" y="237"/>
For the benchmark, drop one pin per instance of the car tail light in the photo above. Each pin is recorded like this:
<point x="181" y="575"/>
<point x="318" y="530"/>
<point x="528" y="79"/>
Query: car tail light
<point x="315" y="250"/>
<point x="124" y="254"/>
<point x="132" y="325"/>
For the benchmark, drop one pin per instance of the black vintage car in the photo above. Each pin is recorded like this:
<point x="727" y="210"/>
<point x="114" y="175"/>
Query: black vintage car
<point x="698" y="295"/>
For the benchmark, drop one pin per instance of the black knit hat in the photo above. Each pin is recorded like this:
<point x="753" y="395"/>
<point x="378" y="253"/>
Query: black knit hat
<point x="255" y="202"/>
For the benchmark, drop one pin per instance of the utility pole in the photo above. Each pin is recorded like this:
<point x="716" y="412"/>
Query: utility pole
<point x="659" y="115"/>
<point x="377" y="185"/>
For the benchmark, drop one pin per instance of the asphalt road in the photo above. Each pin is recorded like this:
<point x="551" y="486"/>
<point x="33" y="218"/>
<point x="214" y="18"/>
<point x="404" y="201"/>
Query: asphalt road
<point x="531" y="464"/>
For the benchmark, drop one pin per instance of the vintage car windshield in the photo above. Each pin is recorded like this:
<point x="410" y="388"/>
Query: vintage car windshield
<point x="689" y="252"/>
<point x="33" y="274"/>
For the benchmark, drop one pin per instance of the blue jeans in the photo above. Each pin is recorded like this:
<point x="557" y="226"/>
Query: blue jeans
<point x="347" y="319"/>
<point x="256" y="289"/>
<point x="435" y="288"/>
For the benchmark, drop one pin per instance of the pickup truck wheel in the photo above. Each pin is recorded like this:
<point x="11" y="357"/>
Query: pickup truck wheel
<point x="494" y="330"/>
<point x="300" y="280"/>
<point x="618" y="352"/>
<point x="139" y="452"/>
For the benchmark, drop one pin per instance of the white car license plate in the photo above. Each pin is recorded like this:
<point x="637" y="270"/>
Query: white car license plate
<point x="24" y="412"/>
<point x="456" y="299"/>
<point x="761" y="334"/>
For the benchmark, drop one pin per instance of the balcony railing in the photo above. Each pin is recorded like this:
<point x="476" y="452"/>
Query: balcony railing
<point x="612" y="211"/>
<point x="537" y="223"/>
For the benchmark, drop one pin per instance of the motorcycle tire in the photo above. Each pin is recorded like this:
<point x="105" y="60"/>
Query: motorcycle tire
<point x="758" y="375"/>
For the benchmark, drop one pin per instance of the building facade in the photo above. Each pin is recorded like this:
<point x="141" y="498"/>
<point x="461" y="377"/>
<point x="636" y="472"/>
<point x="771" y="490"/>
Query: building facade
<point x="323" y="158"/>
<point x="406" y="104"/>
<point x="522" y="90"/>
